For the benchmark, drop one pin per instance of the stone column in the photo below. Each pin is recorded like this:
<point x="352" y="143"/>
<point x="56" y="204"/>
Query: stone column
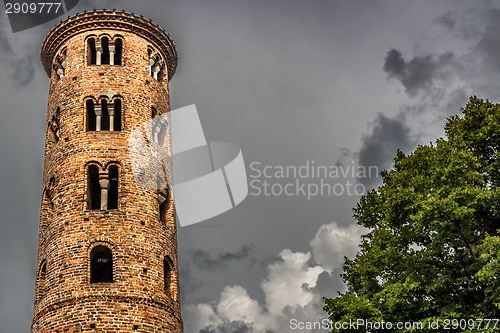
<point x="156" y="69"/>
<point x="156" y="131"/>
<point x="104" y="184"/>
<point x="111" y="112"/>
<point x="151" y="64"/>
<point x="98" y="116"/>
<point x="111" y="54"/>
<point x="98" y="50"/>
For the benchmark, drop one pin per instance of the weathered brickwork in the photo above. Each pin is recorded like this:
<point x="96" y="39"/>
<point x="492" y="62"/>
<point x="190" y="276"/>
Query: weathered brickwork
<point x="143" y="296"/>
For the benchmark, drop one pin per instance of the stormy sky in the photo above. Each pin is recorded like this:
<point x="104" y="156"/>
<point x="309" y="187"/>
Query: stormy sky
<point x="340" y="84"/>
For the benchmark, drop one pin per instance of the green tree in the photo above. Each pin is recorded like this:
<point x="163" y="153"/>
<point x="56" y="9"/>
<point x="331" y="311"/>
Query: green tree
<point x="433" y="246"/>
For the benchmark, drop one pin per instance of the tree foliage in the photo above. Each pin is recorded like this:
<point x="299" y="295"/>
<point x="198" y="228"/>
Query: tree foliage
<point x="432" y="252"/>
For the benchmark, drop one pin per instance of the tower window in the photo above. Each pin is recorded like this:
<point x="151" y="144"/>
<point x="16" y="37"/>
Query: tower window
<point x="101" y="265"/>
<point x="93" y="187"/>
<point x="118" y="52"/>
<point x="54" y="125"/>
<point x="167" y="274"/>
<point x="104" y="126"/>
<point x="158" y="127"/>
<point x="91" y="51"/>
<point x="163" y="206"/>
<point x="113" y="187"/>
<point x="104" y="116"/>
<point x="117" y="115"/>
<point x="105" y="51"/>
<point x="91" y="115"/>
<point x="42" y="273"/>
<point x="155" y="65"/>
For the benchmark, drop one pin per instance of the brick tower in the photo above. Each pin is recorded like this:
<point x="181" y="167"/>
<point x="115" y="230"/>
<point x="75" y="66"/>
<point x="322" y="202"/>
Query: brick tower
<point x="107" y="255"/>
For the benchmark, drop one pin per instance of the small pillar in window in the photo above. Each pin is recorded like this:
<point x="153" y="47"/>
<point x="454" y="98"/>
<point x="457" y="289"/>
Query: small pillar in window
<point x="111" y="54"/>
<point x="111" y="113"/>
<point x="98" y="49"/>
<point x="98" y="117"/>
<point x="156" y="70"/>
<point x="151" y="64"/>
<point x="104" y="184"/>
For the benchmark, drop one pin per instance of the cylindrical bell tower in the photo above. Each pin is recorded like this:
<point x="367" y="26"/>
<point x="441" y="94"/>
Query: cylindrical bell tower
<point x="107" y="254"/>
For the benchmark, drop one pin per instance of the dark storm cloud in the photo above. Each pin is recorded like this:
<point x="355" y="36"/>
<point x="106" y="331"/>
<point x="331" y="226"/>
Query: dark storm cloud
<point x="419" y="73"/>
<point x="380" y="146"/>
<point x="449" y="20"/>
<point x="205" y="260"/>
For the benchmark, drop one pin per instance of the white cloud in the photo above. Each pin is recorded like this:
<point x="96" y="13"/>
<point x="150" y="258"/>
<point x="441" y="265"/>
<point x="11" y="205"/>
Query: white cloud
<point x="332" y="243"/>
<point x="291" y="289"/>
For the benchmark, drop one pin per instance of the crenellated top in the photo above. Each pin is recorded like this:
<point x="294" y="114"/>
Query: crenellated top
<point x="112" y="19"/>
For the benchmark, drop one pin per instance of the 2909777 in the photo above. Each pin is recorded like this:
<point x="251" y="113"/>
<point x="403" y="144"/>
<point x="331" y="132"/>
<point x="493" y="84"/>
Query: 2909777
<point x="33" y="7"/>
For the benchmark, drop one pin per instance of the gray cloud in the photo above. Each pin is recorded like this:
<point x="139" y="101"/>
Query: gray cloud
<point x="380" y="146"/>
<point x="419" y="73"/>
<point x="205" y="260"/>
<point x="16" y="59"/>
<point x="449" y="20"/>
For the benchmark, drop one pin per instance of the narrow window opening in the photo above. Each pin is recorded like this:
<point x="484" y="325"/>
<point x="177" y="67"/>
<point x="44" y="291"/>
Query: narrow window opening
<point x="161" y="72"/>
<point x="105" y="51"/>
<point x="91" y="55"/>
<point x="118" y="51"/>
<point x="94" y="189"/>
<point x="91" y="115"/>
<point x="50" y="192"/>
<point x="41" y="278"/>
<point x="118" y="115"/>
<point x="113" y="187"/>
<point x="167" y="274"/>
<point x="101" y="265"/>
<point x="163" y="206"/>
<point x="105" y="115"/>
<point x="54" y="124"/>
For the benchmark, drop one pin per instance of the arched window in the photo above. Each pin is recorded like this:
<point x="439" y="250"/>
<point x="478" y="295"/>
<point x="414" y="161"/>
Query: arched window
<point x="105" y="51"/>
<point x="158" y="127"/>
<point x="42" y="274"/>
<point x="155" y="65"/>
<point x="54" y="124"/>
<point x="91" y="51"/>
<point x="117" y="115"/>
<point x="118" y="52"/>
<point x="113" y="187"/>
<point x="93" y="187"/>
<point x="101" y="265"/>
<point x="163" y="200"/>
<point x="104" y="119"/>
<point x="91" y="115"/>
<point x="167" y="274"/>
